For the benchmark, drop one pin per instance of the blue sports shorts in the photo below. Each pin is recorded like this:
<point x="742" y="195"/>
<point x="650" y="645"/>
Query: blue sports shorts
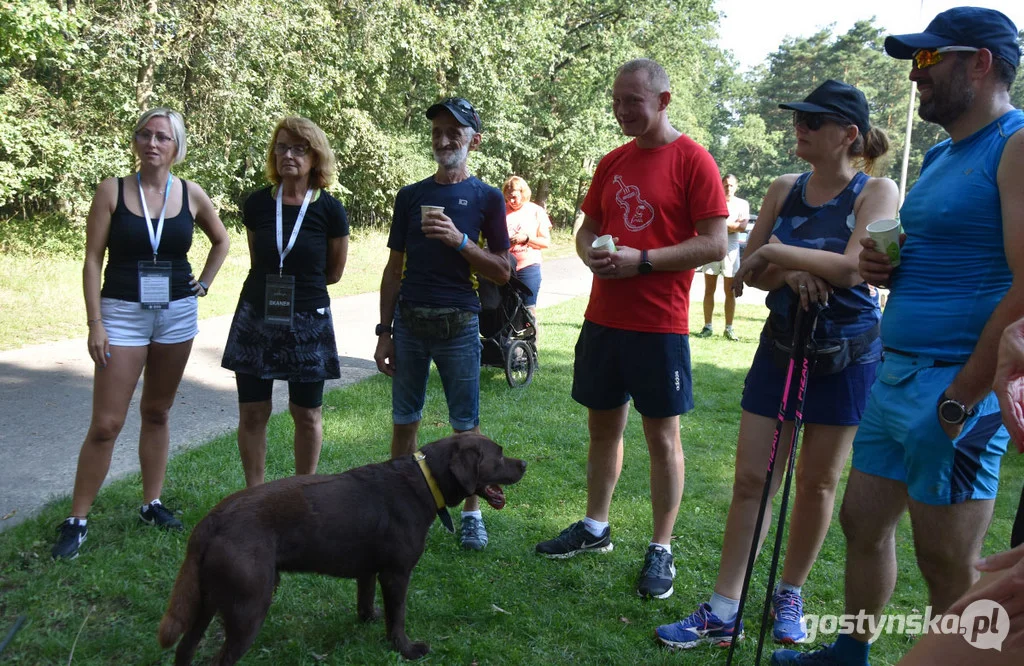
<point x="900" y="437"/>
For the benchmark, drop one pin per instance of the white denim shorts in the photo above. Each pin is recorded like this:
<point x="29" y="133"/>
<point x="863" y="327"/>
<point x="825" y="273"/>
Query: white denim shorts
<point x="128" y="325"/>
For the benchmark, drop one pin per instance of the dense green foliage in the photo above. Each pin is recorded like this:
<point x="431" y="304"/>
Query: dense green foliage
<point x="74" y="75"/>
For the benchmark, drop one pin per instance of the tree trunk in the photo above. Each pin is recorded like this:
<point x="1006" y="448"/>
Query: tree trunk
<point x="144" y="80"/>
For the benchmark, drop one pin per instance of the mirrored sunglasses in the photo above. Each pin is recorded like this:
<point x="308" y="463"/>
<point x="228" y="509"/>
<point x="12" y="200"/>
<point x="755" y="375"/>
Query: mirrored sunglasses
<point x="925" y="58"/>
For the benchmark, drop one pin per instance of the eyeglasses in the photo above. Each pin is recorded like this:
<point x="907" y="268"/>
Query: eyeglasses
<point x="815" y="121"/>
<point x="298" y="150"/>
<point x="925" y="58"/>
<point x="144" y="136"/>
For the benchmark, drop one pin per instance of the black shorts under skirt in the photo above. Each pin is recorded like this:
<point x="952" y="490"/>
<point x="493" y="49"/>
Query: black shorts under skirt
<point x="306" y="352"/>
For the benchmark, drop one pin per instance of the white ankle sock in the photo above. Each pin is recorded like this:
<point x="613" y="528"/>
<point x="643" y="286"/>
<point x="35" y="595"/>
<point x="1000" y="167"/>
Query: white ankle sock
<point x="155" y="502"/>
<point x="724" y="607"/>
<point x="595" y="527"/>
<point x="476" y="514"/>
<point x="75" y="521"/>
<point x="666" y="546"/>
<point x="784" y="586"/>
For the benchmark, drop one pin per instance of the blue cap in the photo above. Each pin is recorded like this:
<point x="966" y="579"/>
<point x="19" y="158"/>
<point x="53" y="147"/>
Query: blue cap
<point x="961" y="26"/>
<point x="459" y="107"/>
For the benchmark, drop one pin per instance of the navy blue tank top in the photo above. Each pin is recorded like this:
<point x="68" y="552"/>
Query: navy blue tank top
<point x="128" y="244"/>
<point x="827" y="227"/>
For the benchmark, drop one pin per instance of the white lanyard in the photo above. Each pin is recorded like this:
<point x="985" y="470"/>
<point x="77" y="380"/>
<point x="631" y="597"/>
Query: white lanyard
<point x="283" y="251"/>
<point x="154" y="236"/>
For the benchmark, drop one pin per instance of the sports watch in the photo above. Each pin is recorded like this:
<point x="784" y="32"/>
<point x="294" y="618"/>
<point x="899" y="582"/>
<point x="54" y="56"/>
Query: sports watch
<point x="645" y="266"/>
<point x="952" y="411"/>
<point x="381" y="329"/>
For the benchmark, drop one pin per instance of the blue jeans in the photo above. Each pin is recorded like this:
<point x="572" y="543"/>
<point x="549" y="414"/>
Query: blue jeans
<point x="458" y="363"/>
<point x="530" y="276"/>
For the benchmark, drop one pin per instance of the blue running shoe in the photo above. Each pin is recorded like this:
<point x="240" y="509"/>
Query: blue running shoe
<point x="701" y="627"/>
<point x="788" y="613"/>
<point x="825" y="656"/>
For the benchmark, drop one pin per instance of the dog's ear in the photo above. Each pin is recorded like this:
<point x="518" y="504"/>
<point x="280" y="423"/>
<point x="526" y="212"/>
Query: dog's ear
<point x="465" y="466"/>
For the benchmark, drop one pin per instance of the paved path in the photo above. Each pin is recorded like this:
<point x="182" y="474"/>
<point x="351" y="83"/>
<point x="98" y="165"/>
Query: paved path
<point x="46" y="394"/>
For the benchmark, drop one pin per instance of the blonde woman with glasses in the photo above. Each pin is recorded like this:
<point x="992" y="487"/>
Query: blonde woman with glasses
<point x="145" y="316"/>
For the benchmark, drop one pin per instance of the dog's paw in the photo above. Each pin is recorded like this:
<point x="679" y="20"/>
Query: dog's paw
<point x="416" y="650"/>
<point x="374" y="613"/>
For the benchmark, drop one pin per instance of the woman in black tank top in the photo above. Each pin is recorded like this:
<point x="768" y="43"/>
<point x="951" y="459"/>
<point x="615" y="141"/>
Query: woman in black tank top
<point x="144" y="317"/>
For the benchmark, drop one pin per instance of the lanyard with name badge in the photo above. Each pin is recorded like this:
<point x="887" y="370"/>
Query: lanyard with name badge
<point x="154" y="276"/>
<point x="279" y="307"/>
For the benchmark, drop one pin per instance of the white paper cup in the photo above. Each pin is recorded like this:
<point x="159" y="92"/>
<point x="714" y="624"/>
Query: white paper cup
<point x="604" y="243"/>
<point x="886" y="234"/>
<point x="428" y="211"/>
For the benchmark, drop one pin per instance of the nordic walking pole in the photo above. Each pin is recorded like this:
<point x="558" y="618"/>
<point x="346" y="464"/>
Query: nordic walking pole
<point x="796" y="355"/>
<point x="798" y="421"/>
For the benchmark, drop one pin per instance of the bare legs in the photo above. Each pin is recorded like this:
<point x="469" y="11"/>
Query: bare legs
<point x="113" y="387"/>
<point x="252" y="438"/>
<point x="819" y="465"/>
<point x="604" y="464"/>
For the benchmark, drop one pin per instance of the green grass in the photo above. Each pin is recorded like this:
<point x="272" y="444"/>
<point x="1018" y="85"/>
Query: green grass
<point x="501" y="606"/>
<point x="42" y="298"/>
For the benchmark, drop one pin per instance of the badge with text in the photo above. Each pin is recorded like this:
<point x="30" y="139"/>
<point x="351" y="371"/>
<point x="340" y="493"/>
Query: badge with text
<point x="154" y="284"/>
<point x="279" y="307"/>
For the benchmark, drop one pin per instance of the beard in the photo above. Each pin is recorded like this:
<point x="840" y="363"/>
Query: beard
<point x="950" y="98"/>
<point x="451" y="159"/>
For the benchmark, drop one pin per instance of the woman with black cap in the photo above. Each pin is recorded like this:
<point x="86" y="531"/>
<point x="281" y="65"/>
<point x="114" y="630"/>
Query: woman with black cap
<point x="803" y="250"/>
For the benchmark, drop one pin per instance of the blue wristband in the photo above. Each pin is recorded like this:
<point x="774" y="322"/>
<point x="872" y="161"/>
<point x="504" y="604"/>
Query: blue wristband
<point x="462" y="245"/>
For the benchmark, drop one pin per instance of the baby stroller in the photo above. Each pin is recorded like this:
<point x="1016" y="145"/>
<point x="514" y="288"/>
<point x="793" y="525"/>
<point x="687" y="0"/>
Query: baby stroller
<point x="508" y="331"/>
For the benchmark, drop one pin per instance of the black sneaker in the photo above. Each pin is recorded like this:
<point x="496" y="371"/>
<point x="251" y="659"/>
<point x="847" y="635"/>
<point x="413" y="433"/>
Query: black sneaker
<point x="160" y="516"/>
<point x="72" y="535"/>
<point x="576" y="539"/>
<point x="657" y="574"/>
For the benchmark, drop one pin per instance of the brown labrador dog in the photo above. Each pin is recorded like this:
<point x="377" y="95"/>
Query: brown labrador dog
<point x="369" y="523"/>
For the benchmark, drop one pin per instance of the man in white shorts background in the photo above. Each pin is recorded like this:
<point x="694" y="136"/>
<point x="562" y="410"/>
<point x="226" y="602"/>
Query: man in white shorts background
<point x="739" y="214"/>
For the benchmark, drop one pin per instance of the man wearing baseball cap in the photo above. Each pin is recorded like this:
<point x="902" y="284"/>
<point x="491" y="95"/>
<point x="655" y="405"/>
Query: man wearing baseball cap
<point x="428" y="300"/>
<point x="931" y="437"/>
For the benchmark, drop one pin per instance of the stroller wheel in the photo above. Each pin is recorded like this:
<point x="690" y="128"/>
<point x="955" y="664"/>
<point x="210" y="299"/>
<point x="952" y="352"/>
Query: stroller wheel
<point x="519" y="364"/>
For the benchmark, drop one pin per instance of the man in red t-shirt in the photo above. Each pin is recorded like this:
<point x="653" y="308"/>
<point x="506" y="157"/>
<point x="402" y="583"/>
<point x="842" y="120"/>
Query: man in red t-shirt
<point x="661" y="198"/>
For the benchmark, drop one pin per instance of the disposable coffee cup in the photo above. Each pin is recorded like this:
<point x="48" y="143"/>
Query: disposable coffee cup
<point x="604" y="243"/>
<point x="427" y="211"/>
<point x="886" y="234"/>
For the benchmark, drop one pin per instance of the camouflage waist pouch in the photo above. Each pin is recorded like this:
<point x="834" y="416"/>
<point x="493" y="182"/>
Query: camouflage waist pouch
<point x="435" y="323"/>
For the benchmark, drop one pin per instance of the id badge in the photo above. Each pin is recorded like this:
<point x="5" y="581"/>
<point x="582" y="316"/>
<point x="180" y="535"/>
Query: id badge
<point x="154" y="284"/>
<point x="279" y="306"/>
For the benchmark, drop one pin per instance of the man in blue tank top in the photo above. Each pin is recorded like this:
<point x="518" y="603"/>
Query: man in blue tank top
<point x="428" y="299"/>
<point x="931" y="437"/>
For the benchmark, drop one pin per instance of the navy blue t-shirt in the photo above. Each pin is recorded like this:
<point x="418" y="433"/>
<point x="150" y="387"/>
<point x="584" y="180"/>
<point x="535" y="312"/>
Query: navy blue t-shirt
<point x="325" y="218"/>
<point x="435" y="274"/>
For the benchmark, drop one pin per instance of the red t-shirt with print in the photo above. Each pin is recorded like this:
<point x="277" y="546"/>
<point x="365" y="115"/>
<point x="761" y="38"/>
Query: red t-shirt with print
<point x="651" y="198"/>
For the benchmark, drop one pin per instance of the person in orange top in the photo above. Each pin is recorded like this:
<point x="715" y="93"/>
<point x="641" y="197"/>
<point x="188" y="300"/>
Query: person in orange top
<point x="529" y="232"/>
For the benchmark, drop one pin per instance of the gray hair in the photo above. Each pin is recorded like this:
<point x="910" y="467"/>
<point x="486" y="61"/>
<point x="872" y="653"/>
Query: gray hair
<point x="657" y="78"/>
<point x="177" y="127"/>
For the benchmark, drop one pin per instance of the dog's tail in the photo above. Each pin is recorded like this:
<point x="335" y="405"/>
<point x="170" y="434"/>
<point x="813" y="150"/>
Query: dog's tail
<point x="186" y="595"/>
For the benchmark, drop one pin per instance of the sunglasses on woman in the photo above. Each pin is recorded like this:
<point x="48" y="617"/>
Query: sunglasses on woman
<point x="925" y="58"/>
<point x="815" y="121"/>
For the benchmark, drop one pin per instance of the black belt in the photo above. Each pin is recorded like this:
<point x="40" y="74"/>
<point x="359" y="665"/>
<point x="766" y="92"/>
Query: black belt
<point x="936" y="362"/>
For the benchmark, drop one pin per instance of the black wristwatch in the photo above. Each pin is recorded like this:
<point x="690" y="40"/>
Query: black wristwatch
<point x="952" y="411"/>
<point x="645" y="266"/>
<point x="206" y="288"/>
<point x="381" y="329"/>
